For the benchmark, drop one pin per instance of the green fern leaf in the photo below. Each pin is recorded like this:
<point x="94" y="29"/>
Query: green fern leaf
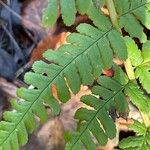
<point x="140" y="60"/>
<point x="97" y="16"/>
<point x="119" y="102"/>
<point x="68" y="11"/>
<point x="83" y="6"/>
<point x="98" y="117"/>
<point x="117" y="43"/>
<point x="134" y="28"/>
<point x="140" y="142"/>
<point x="102" y="2"/>
<point x="78" y="62"/>
<point x="130" y="12"/>
<point x="99" y="3"/>
<point x="119" y="75"/>
<point x="50" y="13"/>
<point x="138" y="127"/>
<point x="138" y="98"/>
<point x="131" y="15"/>
<point x="134" y="54"/>
<point x="67" y="72"/>
<point x="143" y="73"/>
<point x="146" y="54"/>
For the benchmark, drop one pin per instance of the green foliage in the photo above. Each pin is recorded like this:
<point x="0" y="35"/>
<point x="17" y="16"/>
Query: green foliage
<point x="96" y="121"/>
<point x="143" y="73"/>
<point x="50" y="13"/>
<point x="69" y="62"/>
<point x="68" y="10"/>
<point x="68" y="7"/>
<point x="141" y="61"/>
<point x="138" y="98"/>
<point x="139" y="142"/>
<point x="143" y="70"/>
<point x="132" y="15"/>
<point x="80" y="62"/>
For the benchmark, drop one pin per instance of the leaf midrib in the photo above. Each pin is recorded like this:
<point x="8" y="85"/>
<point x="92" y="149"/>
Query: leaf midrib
<point x="130" y="10"/>
<point x="107" y="101"/>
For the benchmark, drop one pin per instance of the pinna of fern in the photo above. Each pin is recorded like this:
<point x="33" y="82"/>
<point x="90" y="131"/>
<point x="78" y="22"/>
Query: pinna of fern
<point x="132" y="14"/>
<point x="84" y="50"/>
<point x="96" y="122"/>
<point x="139" y="142"/>
<point x="140" y="61"/>
<point x="67" y="10"/>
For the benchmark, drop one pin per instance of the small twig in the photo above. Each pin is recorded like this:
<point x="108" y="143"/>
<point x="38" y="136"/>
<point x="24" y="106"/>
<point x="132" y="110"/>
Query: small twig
<point x="14" y="42"/>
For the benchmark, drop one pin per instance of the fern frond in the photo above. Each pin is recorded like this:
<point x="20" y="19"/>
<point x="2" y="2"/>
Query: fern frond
<point x="50" y="13"/>
<point x="139" y="142"/>
<point x="143" y="70"/>
<point x="132" y="15"/>
<point x="95" y="121"/>
<point x="69" y="10"/>
<point x="134" y="53"/>
<point x="91" y="50"/>
<point x="141" y="61"/>
<point x="138" y="98"/>
<point x="143" y="73"/>
<point x="146" y="53"/>
<point x="83" y="6"/>
<point x="81" y="61"/>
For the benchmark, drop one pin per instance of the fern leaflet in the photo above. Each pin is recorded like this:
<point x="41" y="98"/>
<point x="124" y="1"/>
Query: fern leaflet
<point x="84" y="50"/>
<point x="98" y="117"/>
<point x="141" y="61"/>
<point x="91" y="48"/>
<point x="132" y="15"/>
<point x="52" y="9"/>
<point x="139" y="142"/>
<point x="138" y="98"/>
<point x="68" y="10"/>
